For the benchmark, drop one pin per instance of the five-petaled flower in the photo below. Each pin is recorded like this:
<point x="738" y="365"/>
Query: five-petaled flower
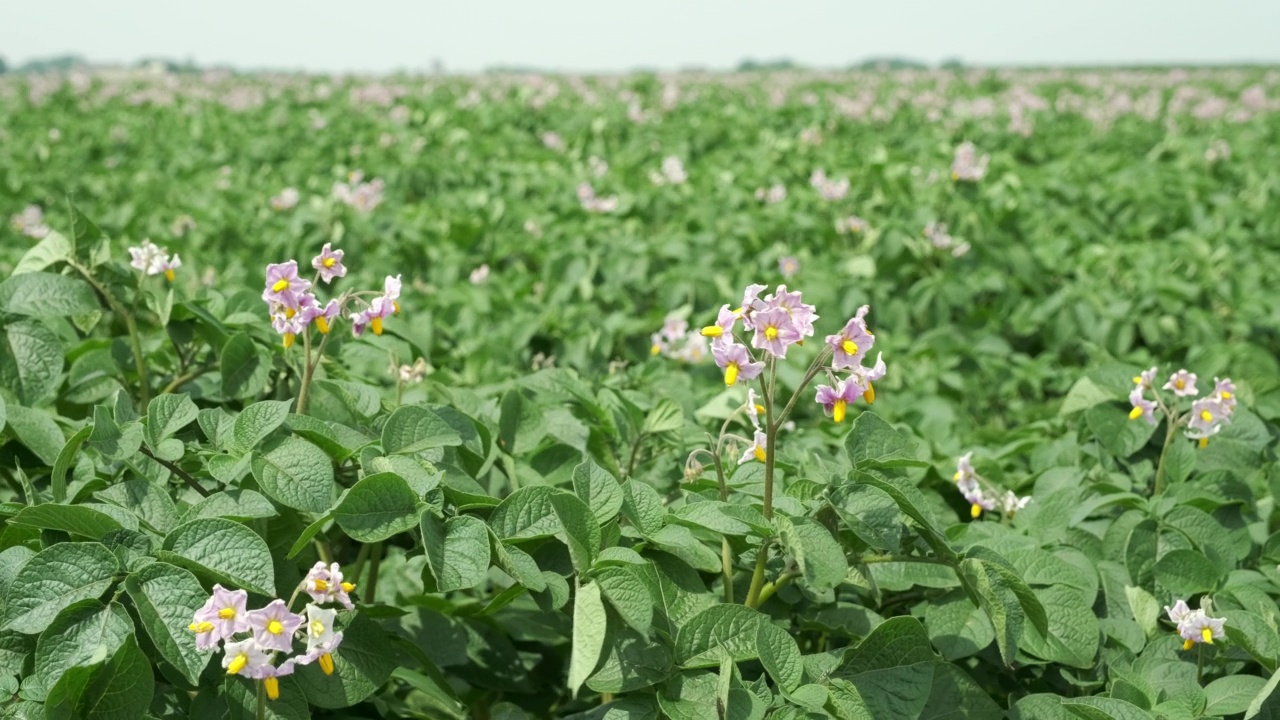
<point x="1182" y="383"/>
<point x="853" y="341"/>
<point x="736" y="362"/>
<point x="329" y="264"/>
<point x="835" y="400"/>
<point x="757" y="450"/>
<point x="273" y="626"/>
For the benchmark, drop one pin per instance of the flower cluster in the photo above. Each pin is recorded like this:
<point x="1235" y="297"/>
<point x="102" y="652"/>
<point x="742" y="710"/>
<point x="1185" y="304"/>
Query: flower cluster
<point x="672" y="173"/>
<point x="852" y="224"/>
<point x="1195" y="626"/>
<point x="294" y="308"/>
<point x="154" y="260"/>
<point x="777" y="322"/>
<point x="936" y="233"/>
<point x="363" y="196"/>
<point x="410" y="374"/>
<point x="286" y="200"/>
<point x="587" y="198"/>
<point x="30" y="222"/>
<point x="967" y="166"/>
<point x="829" y="188"/>
<point x="848" y="348"/>
<point x="676" y="341"/>
<point x="251" y="639"/>
<point x="773" y="195"/>
<point x="1207" y="414"/>
<point x="970" y="484"/>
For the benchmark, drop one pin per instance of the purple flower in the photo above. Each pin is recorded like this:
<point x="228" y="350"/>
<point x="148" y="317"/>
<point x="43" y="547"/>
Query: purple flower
<point x="734" y="359"/>
<point x="1206" y="419"/>
<point x="757" y="450"/>
<point x="322" y="638"/>
<point x="722" y="331"/>
<point x="802" y="315"/>
<point x="244" y="658"/>
<point x="964" y="469"/>
<point x="1224" y="391"/>
<point x="324" y="583"/>
<point x="774" y="331"/>
<point x="1178" y="612"/>
<point x="329" y="264"/>
<point x="270" y="676"/>
<point x="966" y="166"/>
<point x="1182" y="383"/>
<point x="1198" y="627"/>
<point x="852" y="343"/>
<point x="751" y="303"/>
<point x="284" y="287"/>
<point x="788" y="266"/>
<point x="480" y="275"/>
<point x="1145" y="378"/>
<point x="221" y="617"/>
<point x="321" y="316"/>
<point x="1011" y="503"/>
<point x="1142" y="408"/>
<point x="273" y="626"/>
<point x="287" y="199"/>
<point x="835" y="400"/>
<point x="754" y="408"/>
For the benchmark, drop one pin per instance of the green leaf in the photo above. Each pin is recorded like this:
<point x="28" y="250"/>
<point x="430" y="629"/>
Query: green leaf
<point x="55" y="578"/>
<point x="589" y="628"/>
<point x="1084" y="394"/>
<point x="899" y="641"/>
<point x="46" y="295"/>
<point x="54" y="248"/>
<point x="666" y="416"/>
<point x="246" y="367"/>
<point x="413" y="428"/>
<point x="579" y="529"/>
<point x="1186" y="572"/>
<point x="1105" y="708"/>
<point x="1112" y="427"/>
<point x="457" y="551"/>
<point x="62" y="463"/>
<point x="74" y="519"/>
<point x="516" y="563"/>
<point x="361" y="665"/>
<point x="643" y="507"/>
<point x="85" y="633"/>
<point x="1179" y="462"/>
<point x="627" y="593"/>
<point x="999" y="602"/>
<point x="780" y="655"/>
<point x="31" y="360"/>
<point x="167" y="414"/>
<point x="241" y="696"/>
<point x="598" y="489"/>
<point x="113" y="440"/>
<point x="1266" y="704"/>
<point x="679" y="541"/>
<point x="872" y="442"/>
<point x="232" y="504"/>
<point x="166" y="598"/>
<point x="912" y="503"/>
<point x="1073" y="633"/>
<point x="957" y="627"/>
<point x="870" y="513"/>
<point x="1232" y="694"/>
<point x="377" y="507"/>
<point x="631" y="661"/>
<point x="225" y="551"/>
<point x="117" y="689"/>
<point x="147" y="500"/>
<point x="1253" y="634"/>
<point x="526" y="514"/>
<point x="816" y="553"/>
<point x="256" y="422"/>
<point x="295" y="473"/>
<point x="1146" y="609"/>
<point x="718" y="631"/>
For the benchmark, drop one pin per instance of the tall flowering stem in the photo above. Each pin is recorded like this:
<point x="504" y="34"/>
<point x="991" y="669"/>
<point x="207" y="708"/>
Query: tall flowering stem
<point x="1205" y="418"/>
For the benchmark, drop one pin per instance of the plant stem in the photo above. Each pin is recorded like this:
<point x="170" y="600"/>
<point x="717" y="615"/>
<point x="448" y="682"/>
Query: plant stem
<point x="262" y="701"/>
<point x="1168" y="441"/>
<point x="635" y="450"/>
<point x="375" y="560"/>
<point x="726" y="553"/>
<point x="135" y="342"/>
<point x="307" y="369"/>
<point x="757" y="577"/>
<point x="186" y="476"/>
<point x="770" y="588"/>
<point x="185" y="378"/>
<point x="1199" y="661"/>
<point x="888" y="558"/>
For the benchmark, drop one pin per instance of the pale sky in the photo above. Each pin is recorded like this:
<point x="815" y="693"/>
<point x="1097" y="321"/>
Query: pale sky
<point x="602" y="35"/>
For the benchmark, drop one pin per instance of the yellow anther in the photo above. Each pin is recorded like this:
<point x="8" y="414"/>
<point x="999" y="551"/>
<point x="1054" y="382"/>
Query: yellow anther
<point x="1180" y="383"/>
<point x="273" y="687"/>
<point x="168" y="275"/>
<point x="275" y="627"/>
<point x="288" y="340"/>
<point x="316" y="628"/>
<point x="237" y="664"/>
<point x="1135" y="413"/>
<point x="203" y="627"/>
<point x="655" y="349"/>
<point x="395" y="306"/>
<point x="957" y="476"/>
<point x="193" y="627"/>
<point x="760" y="454"/>
<point x="1207" y="634"/>
<point x="837" y="412"/>
<point x="869" y="395"/>
<point x="759" y="409"/>
<point x="1204" y="442"/>
<point x="771" y="333"/>
<point x="348" y="587"/>
<point x="731" y="374"/>
<point x="1186" y="644"/>
<point x="227" y="613"/>
<point x="1206" y="416"/>
<point x="849" y="347"/>
<point x="376" y="325"/>
<point x="326" y="663"/>
<point x="1137" y="380"/>
<point x="975" y="510"/>
<point x="738" y="311"/>
<point x="290" y="312"/>
<point x="329" y="262"/>
<point x="321" y="585"/>
<point x="1226" y="395"/>
<point x="712" y="331"/>
<point x="322" y="325"/>
<point x="280" y="285"/>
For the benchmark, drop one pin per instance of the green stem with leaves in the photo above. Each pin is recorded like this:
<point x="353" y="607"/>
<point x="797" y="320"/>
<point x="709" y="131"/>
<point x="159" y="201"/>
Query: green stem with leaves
<point x="130" y="324"/>
<point x="1171" y="422"/>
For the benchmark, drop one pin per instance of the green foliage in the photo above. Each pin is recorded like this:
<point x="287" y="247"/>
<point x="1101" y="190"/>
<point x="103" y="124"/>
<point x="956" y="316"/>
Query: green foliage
<point x="535" y="517"/>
